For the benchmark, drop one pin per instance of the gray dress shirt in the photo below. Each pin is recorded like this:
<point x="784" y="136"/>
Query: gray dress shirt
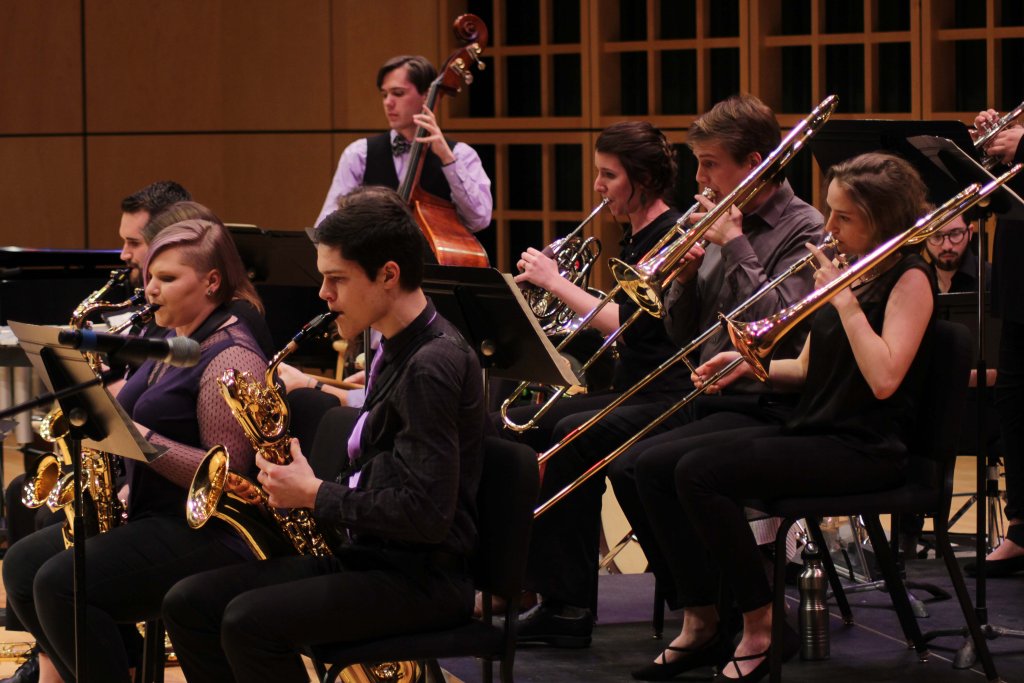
<point x="773" y="238"/>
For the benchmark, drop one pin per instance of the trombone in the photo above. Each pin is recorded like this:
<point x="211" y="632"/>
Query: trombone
<point x="756" y="340"/>
<point x="646" y="281"/>
<point x="990" y="162"/>
<point x="828" y="242"/>
<point x="676" y="229"/>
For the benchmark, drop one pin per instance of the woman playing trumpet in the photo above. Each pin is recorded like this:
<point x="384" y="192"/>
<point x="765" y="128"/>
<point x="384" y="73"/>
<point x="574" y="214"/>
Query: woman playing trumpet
<point x="193" y="272"/>
<point x="858" y="380"/>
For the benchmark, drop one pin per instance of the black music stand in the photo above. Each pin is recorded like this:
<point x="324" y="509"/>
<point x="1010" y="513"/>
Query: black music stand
<point x="96" y="420"/>
<point x="495" y="319"/>
<point x="1007" y="204"/>
<point x="282" y="266"/>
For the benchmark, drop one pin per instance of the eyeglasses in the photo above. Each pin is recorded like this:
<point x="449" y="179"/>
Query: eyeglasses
<point x="955" y="237"/>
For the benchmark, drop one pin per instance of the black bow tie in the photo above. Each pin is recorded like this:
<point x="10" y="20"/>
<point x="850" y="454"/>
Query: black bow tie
<point x="400" y="146"/>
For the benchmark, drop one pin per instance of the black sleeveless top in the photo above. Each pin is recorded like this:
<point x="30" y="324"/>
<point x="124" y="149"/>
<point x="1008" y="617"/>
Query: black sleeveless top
<point x="837" y="400"/>
<point x="646" y="344"/>
<point x="380" y="167"/>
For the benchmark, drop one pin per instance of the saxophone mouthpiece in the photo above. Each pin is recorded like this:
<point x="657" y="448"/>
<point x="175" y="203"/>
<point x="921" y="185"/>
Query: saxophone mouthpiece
<point x="315" y="325"/>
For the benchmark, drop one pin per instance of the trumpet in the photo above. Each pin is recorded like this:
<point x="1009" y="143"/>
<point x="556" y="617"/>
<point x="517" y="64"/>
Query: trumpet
<point x="676" y="230"/>
<point x="991" y="131"/>
<point x="756" y="340"/>
<point x="575" y="257"/>
<point x="646" y="281"/>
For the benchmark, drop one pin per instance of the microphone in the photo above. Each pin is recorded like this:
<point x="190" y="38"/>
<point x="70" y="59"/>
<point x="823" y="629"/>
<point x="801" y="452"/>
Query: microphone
<point x="178" y="351"/>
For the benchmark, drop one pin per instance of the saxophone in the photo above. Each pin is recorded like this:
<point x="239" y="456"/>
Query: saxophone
<point x="52" y="481"/>
<point x="238" y="500"/>
<point x="242" y="503"/>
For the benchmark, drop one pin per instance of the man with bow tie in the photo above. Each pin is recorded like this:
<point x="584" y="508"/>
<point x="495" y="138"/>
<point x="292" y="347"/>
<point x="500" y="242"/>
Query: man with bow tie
<point x="452" y="170"/>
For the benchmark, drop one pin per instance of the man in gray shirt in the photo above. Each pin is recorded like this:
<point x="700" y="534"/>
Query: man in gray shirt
<point x="746" y="250"/>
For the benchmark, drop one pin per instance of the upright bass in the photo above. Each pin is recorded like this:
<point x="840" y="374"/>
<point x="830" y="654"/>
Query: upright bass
<point x="452" y="243"/>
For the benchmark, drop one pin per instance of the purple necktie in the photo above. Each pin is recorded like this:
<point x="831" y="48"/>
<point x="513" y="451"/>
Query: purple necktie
<point x="354" y="439"/>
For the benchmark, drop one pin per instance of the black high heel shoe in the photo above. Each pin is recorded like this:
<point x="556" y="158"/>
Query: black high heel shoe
<point x="790" y="646"/>
<point x="711" y="653"/>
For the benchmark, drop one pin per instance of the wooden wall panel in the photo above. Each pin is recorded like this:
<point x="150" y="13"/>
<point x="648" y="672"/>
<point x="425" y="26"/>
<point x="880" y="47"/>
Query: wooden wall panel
<point x="40" y="67"/>
<point x="199" y="65"/>
<point x="366" y="35"/>
<point x="273" y="181"/>
<point x="42" y="194"/>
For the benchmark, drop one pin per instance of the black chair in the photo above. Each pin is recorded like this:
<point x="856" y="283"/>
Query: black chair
<point x="927" y="491"/>
<point x="508" y="493"/>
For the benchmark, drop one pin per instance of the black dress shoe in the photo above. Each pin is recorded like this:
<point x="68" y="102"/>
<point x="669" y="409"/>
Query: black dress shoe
<point x="998" y="568"/>
<point x="790" y="646"/>
<point x="28" y="672"/>
<point x="715" y="651"/>
<point x="556" y="624"/>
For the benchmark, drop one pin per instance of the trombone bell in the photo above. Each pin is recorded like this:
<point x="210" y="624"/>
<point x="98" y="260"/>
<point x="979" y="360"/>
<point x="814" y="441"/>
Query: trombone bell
<point x="750" y="340"/>
<point x="639" y="285"/>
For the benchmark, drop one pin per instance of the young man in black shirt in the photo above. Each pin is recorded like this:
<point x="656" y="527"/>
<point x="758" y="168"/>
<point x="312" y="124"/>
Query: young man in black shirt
<point x="403" y="509"/>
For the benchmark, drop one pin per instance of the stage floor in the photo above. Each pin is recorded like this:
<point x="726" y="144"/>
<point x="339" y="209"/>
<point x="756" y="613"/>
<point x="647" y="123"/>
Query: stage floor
<point x="872" y="649"/>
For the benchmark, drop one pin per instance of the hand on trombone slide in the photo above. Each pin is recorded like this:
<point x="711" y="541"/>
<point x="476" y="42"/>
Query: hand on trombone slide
<point x="716" y="363"/>
<point x="691" y="262"/>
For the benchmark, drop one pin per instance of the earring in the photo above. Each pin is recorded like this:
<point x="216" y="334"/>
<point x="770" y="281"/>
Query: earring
<point x="209" y="292"/>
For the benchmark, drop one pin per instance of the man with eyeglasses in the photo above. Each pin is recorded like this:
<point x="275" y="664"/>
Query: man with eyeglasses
<point x="954" y="258"/>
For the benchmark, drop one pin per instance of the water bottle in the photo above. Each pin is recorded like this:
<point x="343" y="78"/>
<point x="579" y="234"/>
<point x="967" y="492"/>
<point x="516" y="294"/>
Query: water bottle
<point x="814" y="632"/>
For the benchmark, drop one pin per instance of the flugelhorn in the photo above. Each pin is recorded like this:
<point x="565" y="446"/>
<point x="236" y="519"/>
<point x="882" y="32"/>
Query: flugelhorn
<point x="645" y="282"/>
<point x="756" y="340"/>
<point x="575" y="256"/>
<point x="677" y="229"/>
<point x="990" y="131"/>
<point x="828" y="243"/>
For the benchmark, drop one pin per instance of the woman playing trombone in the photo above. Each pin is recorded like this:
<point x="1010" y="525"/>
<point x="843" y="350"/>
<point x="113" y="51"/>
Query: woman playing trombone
<point x="858" y="380"/>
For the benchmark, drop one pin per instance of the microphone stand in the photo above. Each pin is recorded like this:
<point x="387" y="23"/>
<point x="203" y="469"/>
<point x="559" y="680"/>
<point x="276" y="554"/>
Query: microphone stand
<point x="79" y="426"/>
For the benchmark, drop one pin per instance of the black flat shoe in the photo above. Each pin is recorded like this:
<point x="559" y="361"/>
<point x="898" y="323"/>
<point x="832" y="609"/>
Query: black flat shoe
<point x="710" y="653"/>
<point x="557" y="625"/>
<point x="996" y="569"/>
<point x="790" y="646"/>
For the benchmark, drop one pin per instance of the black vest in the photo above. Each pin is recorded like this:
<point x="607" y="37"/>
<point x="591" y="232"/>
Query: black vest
<point x="380" y="168"/>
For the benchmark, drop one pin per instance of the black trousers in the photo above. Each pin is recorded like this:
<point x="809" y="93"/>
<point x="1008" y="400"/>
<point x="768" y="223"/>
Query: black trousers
<point x="563" y="557"/>
<point x="128" y="571"/>
<point x="249" y="622"/>
<point x="1010" y="408"/>
<point x="693" y="489"/>
<point x="21" y="522"/>
<point x="661" y="552"/>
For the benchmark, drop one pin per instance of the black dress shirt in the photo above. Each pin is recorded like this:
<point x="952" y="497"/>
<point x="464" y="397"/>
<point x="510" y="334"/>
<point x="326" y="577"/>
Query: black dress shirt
<point x="646" y="343"/>
<point x="421" y="445"/>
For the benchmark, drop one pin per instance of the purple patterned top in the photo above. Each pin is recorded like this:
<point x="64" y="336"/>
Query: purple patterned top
<point x="186" y="414"/>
